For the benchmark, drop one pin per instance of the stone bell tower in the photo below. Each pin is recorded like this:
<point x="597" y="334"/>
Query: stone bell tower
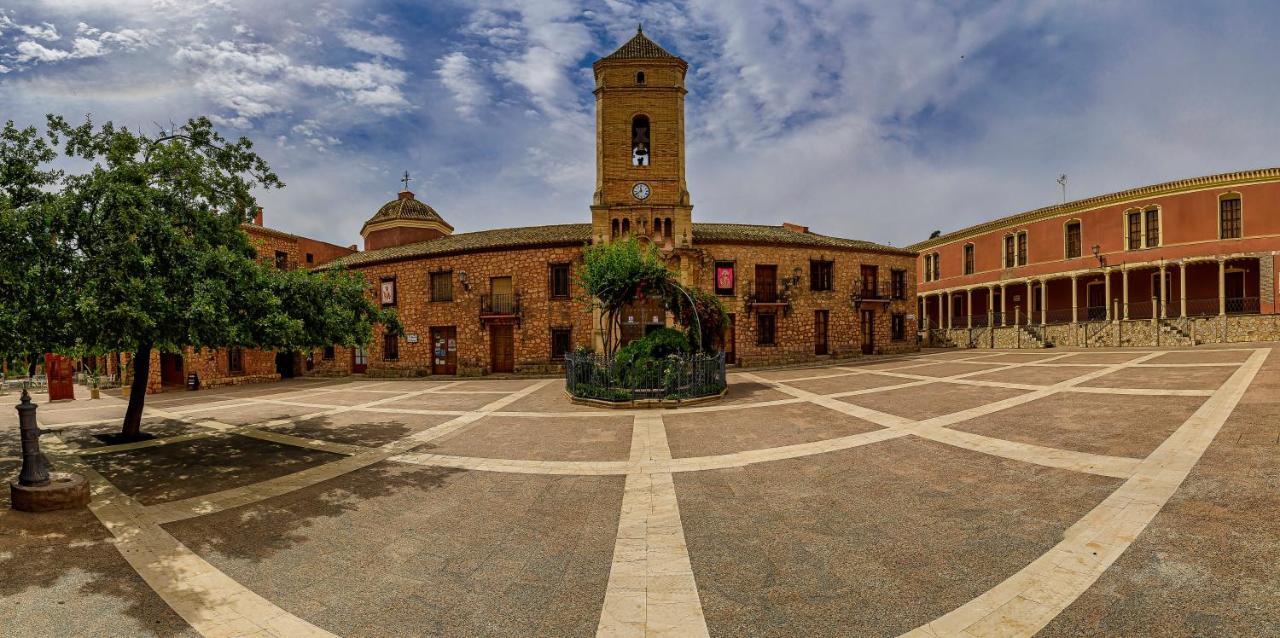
<point x="640" y="180"/>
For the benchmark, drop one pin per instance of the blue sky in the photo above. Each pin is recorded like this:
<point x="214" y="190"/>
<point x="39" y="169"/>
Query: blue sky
<point x="875" y="120"/>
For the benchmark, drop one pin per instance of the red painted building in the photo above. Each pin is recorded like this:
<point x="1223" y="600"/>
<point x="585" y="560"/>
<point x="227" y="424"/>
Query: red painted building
<point x="1213" y="241"/>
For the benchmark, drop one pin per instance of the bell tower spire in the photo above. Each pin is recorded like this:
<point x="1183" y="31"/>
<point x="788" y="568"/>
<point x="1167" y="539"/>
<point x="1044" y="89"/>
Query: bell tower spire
<point x="640" y="164"/>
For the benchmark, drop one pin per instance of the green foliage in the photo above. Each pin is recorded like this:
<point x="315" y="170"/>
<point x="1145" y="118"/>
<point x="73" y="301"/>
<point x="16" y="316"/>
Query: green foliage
<point x="655" y="356"/>
<point x="711" y="317"/>
<point x="619" y="273"/>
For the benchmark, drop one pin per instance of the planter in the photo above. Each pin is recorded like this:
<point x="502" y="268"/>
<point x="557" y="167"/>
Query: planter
<point x="678" y="380"/>
<point x="94" y="393"/>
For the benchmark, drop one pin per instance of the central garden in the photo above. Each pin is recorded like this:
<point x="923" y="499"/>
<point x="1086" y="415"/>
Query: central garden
<point x="665" y="365"/>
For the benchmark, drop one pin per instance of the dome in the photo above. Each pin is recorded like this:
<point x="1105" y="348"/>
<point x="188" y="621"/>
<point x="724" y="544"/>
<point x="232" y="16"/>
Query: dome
<point x="403" y="220"/>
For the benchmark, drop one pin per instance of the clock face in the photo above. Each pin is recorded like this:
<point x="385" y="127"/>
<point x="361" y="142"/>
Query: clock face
<point x="640" y="191"/>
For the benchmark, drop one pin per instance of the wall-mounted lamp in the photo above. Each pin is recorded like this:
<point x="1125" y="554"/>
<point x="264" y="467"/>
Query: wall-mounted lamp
<point x="462" y="279"/>
<point x="1102" y="259"/>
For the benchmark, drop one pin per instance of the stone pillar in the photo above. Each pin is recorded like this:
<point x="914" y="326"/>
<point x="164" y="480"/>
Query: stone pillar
<point x="947" y="302"/>
<point x="1075" y="309"/>
<point x="1124" y="292"/>
<point x="1222" y="287"/>
<point x="1164" y="293"/>
<point x="1030" y="306"/>
<point x="1106" y="287"/>
<point x="1043" y="301"/>
<point x="1182" y="289"/>
<point x="991" y="306"/>
<point x="1004" y="305"/>
<point x="1266" y="282"/>
<point x="968" y="307"/>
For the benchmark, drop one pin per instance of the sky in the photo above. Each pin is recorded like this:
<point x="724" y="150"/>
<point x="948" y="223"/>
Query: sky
<point x="874" y="120"/>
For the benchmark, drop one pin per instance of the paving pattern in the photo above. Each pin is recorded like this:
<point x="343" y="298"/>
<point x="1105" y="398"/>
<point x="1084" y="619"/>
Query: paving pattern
<point x="950" y="493"/>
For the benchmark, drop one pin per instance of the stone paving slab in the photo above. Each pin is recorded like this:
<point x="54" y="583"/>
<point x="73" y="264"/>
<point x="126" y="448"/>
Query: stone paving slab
<point x="192" y="468"/>
<point x="1109" y="424"/>
<point x="1110" y="356"/>
<point x="951" y="368"/>
<point x="436" y="401"/>
<point x="1018" y="357"/>
<point x="253" y="414"/>
<point x="605" y="438"/>
<point x="1205" y="566"/>
<point x="550" y="399"/>
<point x="494" y="385"/>
<point x="1203" y="356"/>
<point x="928" y="401"/>
<point x="749" y="392"/>
<point x="1164" y="378"/>
<point x="370" y="429"/>
<point x="440" y="552"/>
<point x="713" y="433"/>
<point x="75" y="412"/>
<point x="160" y="427"/>
<point x="1038" y="375"/>
<point x="832" y="385"/>
<point x="869" y="541"/>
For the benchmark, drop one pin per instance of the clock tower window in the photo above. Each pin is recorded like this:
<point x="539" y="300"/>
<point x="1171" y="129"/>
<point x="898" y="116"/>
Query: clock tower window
<point x="640" y="77"/>
<point x="640" y="141"/>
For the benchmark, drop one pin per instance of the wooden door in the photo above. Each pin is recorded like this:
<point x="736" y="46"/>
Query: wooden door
<point x="502" y="348"/>
<point x="444" y="350"/>
<point x="766" y="284"/>
<point x="171" y="369"/>
<point x="730" y="337"/>
<point x="359" y="361"/>
<point x="60" y="374"/>
<point x="868" y="331"/>
<point x="820" y="320"/>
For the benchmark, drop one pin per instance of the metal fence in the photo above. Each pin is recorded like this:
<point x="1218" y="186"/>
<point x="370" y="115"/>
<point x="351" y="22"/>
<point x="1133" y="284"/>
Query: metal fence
<point x="593" y="376"/>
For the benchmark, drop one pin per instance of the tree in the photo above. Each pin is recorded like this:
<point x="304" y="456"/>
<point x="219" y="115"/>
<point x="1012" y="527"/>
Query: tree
<point x="616" y="274"/>
<point x="36" y="261"/>
<point x="162" y="261"/>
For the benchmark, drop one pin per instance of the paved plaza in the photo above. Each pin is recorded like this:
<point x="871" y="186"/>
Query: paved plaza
<point x="973" y="492"/>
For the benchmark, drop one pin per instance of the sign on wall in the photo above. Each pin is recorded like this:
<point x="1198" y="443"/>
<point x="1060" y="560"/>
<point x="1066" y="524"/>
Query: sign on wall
<point x="411" y="338"/>
<point x="388" y="292"/>
<point x="724" y="277"/>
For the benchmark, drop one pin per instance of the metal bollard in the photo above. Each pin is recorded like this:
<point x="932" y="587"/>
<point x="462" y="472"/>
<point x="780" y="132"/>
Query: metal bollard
<point x="34" y="473"/>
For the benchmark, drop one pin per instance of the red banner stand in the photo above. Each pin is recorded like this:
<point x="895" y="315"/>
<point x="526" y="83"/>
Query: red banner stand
<point x="61" y="374"/>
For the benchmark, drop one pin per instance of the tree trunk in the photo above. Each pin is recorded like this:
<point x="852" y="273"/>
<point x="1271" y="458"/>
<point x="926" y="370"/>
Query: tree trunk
<point x="137" y="393"/>
<point x="31" y="367"/>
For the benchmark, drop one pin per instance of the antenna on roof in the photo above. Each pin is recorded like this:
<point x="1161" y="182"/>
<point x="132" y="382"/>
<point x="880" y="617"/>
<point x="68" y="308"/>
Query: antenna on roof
<point x="1062" y="181"/>
<point x="639" y="29"/>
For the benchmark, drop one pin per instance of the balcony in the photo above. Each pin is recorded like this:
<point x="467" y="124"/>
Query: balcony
<point x="500" y="308"/>
<point x="863" y="292"/>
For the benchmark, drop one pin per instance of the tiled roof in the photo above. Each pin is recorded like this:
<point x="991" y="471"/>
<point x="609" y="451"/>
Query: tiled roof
<point x="778" y="235"/>
<point x="496" y="239"/>
<point x="640" y="48"/>
<point x="571" y="234"/>
<point x="407" y="207"/>
<point x="254" y="228"/>
<point x="1223" y="180"/>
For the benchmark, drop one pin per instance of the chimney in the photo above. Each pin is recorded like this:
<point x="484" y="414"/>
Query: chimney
<point x="795" y="228"/>
<point x="353" y="248"/>
<point x="257" y="217"/>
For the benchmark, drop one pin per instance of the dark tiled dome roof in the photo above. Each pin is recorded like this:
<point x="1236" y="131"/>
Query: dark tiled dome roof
<point x="640" y="48"/>
<point x="407" y="207"/>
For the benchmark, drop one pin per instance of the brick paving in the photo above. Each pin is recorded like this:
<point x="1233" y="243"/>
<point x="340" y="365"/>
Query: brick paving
<point x="810" y="501"/>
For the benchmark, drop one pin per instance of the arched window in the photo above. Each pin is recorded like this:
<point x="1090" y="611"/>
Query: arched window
<point x="617" y="229"/>
<point x="640" y="140"/>
<point x="1071" y="239"/>
<point x="1230" y="216"/>
<point x="626" y="227"/>
<point x="657" y="226"/>
<point x="668" y="224"/>
<point x="640" y="77"/>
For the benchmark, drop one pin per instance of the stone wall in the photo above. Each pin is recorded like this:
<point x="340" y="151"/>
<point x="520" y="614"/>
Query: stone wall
<point x="1132" y="333"/>
<point x="795" y="326"/>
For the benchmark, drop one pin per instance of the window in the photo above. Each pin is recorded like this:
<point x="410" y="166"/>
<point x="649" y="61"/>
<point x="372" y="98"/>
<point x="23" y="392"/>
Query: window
<point x="928" y="267"/>
<point x="390" y="347"/>
<point x="765" y="329"/>
<point x="561" y="343"/>
<point x="898" y="327"/>
<point x="899" y="283"/>
<point x="1072" y="239"/>
<point x="387" y="292"/>
<point x="640" y="77"/>
<point x="235" y="361"/>
<point x="937" y="267"/>
<point x="329" y="353"/>
<point x="282" y="260"/>
<point x="1230" y="218"/>
<point x="724" y="278"/>
<point x="311" y="259"/>
<point x="1153" y="227"/>
<point x="870" y="274"/>
<point x="968" y="259"/>
<point x="1022" y="248"/>
<point x="1135" y="230"/>
<point x="1010" y="252"/>
<point x="559" y="281"/>
<point x="639" y="143"/>
<point x="442" y="286"/>
<point x="766" y="283"/>
<point x="821" y="275"/>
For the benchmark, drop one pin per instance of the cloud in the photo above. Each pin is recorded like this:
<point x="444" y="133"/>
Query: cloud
<point x="371" y="43"/>
<point x="458" y="74"/>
